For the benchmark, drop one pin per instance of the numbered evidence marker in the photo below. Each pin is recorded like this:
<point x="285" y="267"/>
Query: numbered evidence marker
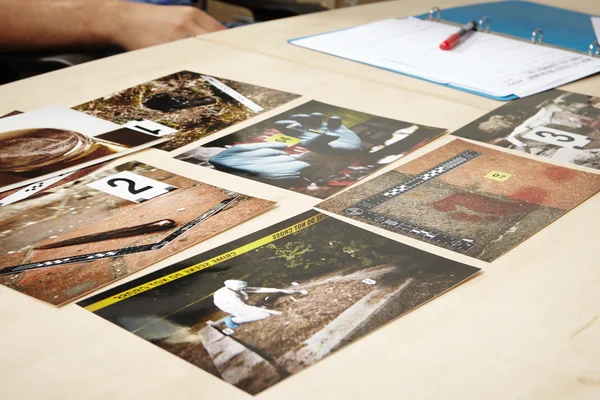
<point x="558" y="138"/>
<point x="497" y="176"/>
<point x="132" y="187"/>
<point x="149" y="127"/>
<point x="280" y="138"/>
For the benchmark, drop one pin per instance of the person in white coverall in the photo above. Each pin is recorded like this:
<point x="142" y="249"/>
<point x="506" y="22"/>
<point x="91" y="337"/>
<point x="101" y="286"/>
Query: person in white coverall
<point x="232" y="299"/>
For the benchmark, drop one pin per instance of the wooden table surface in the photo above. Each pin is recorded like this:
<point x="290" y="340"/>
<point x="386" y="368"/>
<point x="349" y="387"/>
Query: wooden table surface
<point x="527" y="328"/>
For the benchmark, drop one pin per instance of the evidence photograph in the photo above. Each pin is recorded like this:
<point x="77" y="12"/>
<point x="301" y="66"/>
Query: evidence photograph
<point x="467" y="198"/>
<point x="560" y="125"/>
<point x="186" y="105"/>
<point x="49" y="141"/>
<point x="66" y="241"/>
<point x="316" y="149"/>
<point x="268" y="305"/>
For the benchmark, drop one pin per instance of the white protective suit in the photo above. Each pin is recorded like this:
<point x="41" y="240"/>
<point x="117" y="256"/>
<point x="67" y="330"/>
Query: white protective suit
<point x="232" y="299"/>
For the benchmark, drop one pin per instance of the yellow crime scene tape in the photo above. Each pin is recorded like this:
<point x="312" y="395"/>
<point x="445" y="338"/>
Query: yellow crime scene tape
<point x="205" y="264"/>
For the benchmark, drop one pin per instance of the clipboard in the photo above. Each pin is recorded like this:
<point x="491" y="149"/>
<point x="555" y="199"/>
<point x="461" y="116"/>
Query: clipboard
<point x="517" y="20"/>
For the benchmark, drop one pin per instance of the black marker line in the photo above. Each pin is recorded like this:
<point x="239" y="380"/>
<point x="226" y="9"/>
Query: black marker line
<point x="418" y="180"/>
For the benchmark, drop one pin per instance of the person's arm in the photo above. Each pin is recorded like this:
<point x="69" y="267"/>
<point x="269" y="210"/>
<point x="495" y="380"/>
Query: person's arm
<point x="266" y="290"/>
<point x="43" y="24"/>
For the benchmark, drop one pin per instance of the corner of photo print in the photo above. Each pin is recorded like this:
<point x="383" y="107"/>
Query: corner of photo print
<point x="77" y="237"/>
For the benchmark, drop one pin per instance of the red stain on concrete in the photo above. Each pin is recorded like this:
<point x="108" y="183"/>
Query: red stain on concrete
<point x="466" y="217"/>
<point x="559" y="173"/>
<point x="480" y="204"/>
<point x="531" y="194"/>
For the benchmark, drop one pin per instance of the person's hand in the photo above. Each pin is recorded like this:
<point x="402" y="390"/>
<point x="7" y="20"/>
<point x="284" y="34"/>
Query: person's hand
<point x="331" y="138"/>
<point x="142" y="25"/>
<point x="264" y="160"/>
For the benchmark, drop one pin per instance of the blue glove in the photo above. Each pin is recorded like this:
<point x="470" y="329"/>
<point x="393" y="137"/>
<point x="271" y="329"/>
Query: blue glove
<point x="331" y="138"/>
<point x="262" y="160"/>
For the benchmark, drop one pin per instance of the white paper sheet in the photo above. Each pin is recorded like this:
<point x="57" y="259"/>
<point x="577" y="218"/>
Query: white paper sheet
<point x="596" y="25"/>
<point x="483" y="62"/>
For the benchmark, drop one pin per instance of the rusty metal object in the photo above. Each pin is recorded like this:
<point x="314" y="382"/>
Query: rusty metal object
<point x="113" y="234"/>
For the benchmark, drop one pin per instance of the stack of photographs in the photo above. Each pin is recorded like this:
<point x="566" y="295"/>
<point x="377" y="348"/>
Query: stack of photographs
<point x="42" y="147"/>
<point x="264" y="307"/>
<point x="51" y="141"/>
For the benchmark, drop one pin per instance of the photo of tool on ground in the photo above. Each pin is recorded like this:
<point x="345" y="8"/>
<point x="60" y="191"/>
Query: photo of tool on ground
<point x="195" y="105"/>
<point x="266" y="306"/>
<point x="560" y="125"/>
<point x="467" y="198"/>
<point x="67" y="241"/>
<point x="47" y="142"/>
<point x="316" y="149"/>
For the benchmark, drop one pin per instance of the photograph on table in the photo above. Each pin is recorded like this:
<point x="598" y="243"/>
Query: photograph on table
<point x="270" y="304"/>
<point x="51" y="141"/>
<point x="64" y="242"/>
<point x="186" y="106"/>
<point x="560" y="125"/>
<point x="467" y="198"/>
<point x="316" y="149"/>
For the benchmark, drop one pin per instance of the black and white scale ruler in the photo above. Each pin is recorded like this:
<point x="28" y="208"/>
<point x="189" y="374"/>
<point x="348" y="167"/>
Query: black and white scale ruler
<point x="120" y="252"/>
<point x="363" y="208"/>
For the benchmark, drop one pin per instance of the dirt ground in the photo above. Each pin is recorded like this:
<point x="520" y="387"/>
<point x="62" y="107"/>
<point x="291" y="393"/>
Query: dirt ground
<point x="302" y="318"/>
<point x="279" y="339"/>
<point x="193" y="123"/>
<point x="193" y="353"/>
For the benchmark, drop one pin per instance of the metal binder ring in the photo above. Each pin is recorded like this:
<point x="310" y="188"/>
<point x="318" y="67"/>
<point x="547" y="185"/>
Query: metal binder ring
<point x="591" y="51"/>
<point x="436" y="11"/>
<point x="484" y="24"/>
<point x="535" y="38"/>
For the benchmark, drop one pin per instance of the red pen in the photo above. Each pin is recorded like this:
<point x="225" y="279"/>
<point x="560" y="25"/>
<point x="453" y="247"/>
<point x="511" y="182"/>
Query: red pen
<point x="453" y="39"/>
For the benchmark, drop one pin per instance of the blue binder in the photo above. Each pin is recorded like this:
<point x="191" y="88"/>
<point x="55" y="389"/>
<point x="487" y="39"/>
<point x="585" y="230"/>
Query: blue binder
<point x="570" y="30"/>
<point x="563" y="28"/>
